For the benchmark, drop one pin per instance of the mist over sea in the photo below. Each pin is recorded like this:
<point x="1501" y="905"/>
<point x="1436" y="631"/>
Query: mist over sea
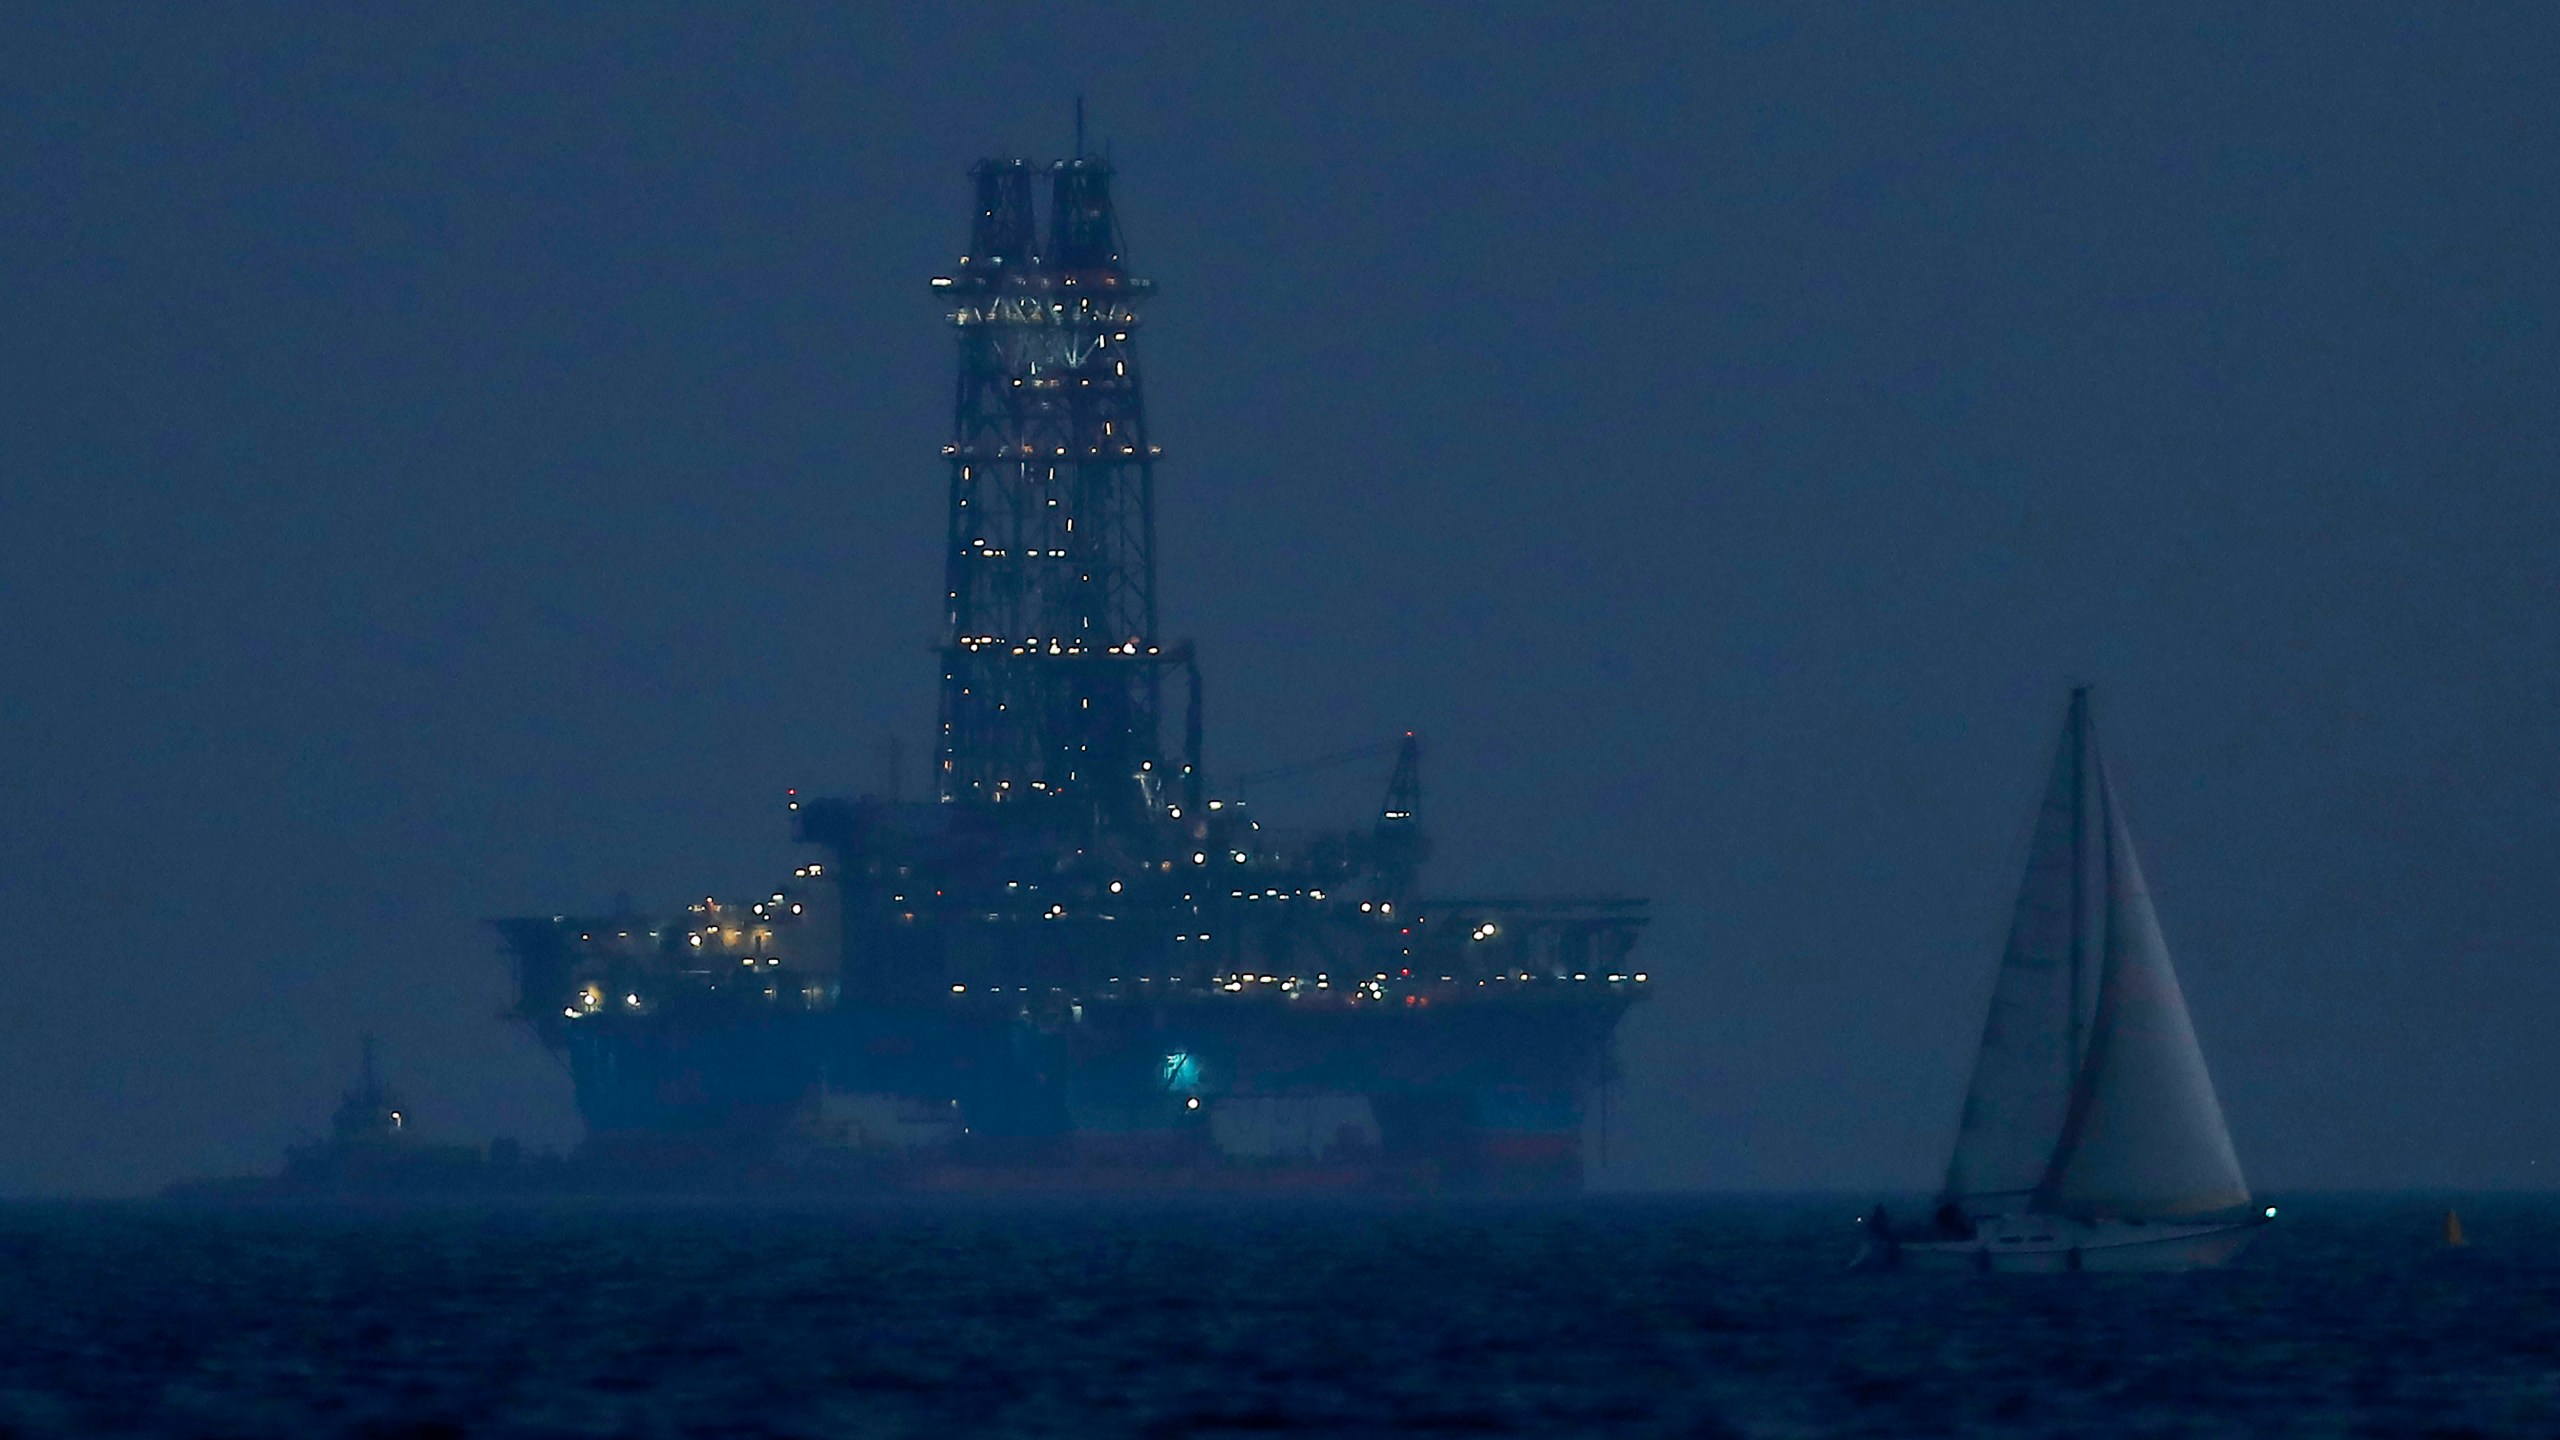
<point x="1606" y="1317"/>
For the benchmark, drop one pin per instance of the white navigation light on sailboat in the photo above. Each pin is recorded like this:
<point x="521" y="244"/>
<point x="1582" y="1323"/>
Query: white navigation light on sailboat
<point x="2091" y="1137"/>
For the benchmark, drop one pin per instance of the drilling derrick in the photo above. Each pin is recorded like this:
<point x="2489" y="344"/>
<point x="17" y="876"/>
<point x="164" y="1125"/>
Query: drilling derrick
<point x="1052" y="677"/>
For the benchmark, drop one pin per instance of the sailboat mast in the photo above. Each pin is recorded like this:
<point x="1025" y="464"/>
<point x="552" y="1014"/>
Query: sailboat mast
<point x="2079" y="722"/>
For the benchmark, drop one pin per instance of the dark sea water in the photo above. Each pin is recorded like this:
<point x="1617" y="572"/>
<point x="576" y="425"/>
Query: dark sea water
<point x="1605" y="1317"/>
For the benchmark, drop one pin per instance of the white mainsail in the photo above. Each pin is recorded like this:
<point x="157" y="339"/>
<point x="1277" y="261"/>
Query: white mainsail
<point x="2022" y="1074"/>
<point x="2089" y="1095"/>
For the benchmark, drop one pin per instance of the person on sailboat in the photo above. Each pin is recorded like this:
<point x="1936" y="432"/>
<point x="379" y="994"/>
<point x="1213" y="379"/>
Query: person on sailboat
<point x="1880" y="1248"/>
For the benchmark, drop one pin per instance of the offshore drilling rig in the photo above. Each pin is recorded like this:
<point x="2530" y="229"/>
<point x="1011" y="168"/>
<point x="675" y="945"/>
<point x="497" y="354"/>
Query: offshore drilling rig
<point x="1072" y="963"/>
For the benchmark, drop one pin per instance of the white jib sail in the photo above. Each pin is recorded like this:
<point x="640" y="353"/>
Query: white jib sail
<point x="2145" y="1136"/>
<point x="2020" y="1094"/>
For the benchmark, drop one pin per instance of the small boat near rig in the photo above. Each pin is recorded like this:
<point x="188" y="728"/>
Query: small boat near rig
<point x="2091" y="1138"/>
<point x="1074" y="963"/>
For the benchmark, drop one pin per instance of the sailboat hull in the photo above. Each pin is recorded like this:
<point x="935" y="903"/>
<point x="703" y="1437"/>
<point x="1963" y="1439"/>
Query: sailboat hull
<point x="2052" y="1246"/>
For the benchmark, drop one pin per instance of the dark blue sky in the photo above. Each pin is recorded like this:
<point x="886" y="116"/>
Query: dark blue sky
<point x="468" y="462"/>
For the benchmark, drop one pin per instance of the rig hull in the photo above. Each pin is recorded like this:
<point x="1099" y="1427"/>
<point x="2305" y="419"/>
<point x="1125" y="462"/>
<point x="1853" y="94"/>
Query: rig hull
<point x="1482" y="1098"/>
<point x="1477" y="1068"/>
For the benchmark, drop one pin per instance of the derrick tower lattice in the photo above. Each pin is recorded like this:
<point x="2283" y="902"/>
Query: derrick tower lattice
<point x="1053" y="672"/>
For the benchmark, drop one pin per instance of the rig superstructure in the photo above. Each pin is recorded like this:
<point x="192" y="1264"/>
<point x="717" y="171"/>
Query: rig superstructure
<point x="1071" y="963"/>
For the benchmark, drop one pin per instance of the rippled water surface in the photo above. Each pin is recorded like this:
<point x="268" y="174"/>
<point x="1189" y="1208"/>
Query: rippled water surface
<point x="1599" y="1318"/>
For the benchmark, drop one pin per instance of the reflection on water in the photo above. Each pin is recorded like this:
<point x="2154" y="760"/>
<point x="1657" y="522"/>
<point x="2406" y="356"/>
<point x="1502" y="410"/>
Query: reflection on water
<point x="1603" y="1318"/>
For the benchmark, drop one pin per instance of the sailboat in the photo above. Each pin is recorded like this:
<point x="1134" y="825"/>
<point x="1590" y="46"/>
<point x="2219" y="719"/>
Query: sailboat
<point x="2090" y="1138"/>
